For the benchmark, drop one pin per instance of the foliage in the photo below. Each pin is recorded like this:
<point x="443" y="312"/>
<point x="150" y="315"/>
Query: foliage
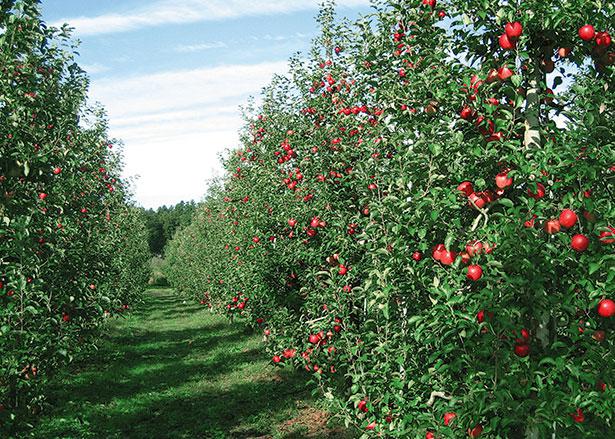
<point x="72" y="249"/>
<point x="163" y="222"/>
<point x="392" y="220"/>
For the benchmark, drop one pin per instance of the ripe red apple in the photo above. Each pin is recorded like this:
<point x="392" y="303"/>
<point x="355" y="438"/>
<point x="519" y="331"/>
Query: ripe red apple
<point x="448" y="257"/>
<point x="438" y="251"/>
<point x="506" y="43"/>
<point x="480" y="316"/>
<point x="552" y="227"/>
<point x="429" y="435"/>
<point x="567" y="218"/>
<point x="608" y="236"/>
<point x="342" y="270"/>
<point x="504" y="73"/>
<point x="474" y="248"/>
<point x="57" y="171"/>
<point x="476" y="431"/>
<point x="606" y="308"/>
<point x="502" y="180"/>
<point x="587" y="32"/>
<point x="466" y="113"/>
<point x="42" y="196"/>
<point x="475" y="272"/>
<point x="578" y="416"/>
<point x="363" y="406"/>
<point x="448" y="417"/>
<point x="466" y="188"/>
<point x="417" y="256"/>
<point x="276" y="359"/>
<point x="579" y="242"/>
<point x="599" y="336"/>
<point x="477" y="200"/>
<point x="603" y="39"/>
<point x="540" y="191"/>
<point x="522" y="350"/>
<point x="292" y="222"/>
<point x="513" y="30"/>
<point x="314" y="338"/>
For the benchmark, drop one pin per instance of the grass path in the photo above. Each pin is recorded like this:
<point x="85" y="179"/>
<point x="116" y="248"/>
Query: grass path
<point x="172" y="370"/>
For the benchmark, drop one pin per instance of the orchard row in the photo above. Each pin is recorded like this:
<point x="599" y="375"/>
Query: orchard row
<point x="72" y="250"/>
<point x="421" y="218"/>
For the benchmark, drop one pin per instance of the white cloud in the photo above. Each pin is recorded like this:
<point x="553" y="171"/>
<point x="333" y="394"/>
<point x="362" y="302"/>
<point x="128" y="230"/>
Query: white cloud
<point x="189" y="11"/>
<point x="94" y="69"/>
<point x="175" y="124"/>
<point x="190" y="48"/>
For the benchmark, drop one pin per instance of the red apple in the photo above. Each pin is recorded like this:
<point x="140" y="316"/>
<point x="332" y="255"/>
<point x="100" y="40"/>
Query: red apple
<point x="476" y="431"/>
<point x="599" y="336"/>
<point x="606" y="308"/>
<point x="506" y="43"/>
<point x="540" y="191"/>
<point x="567" y="218"/>
<point x="466" y="188"/>
<point x="504" y="73"/>
<point x="608" y="236"/>
<point x="603" y="39"/>
<point x="587" y="32"/>
<point x="448" y="417"/>
<point x="276" y="359"/>
<point x="552" y="227"/>
<point x="448" y="257"/>
<point x="513" y="30"/>
<point x="363" y="406"/>
<point x="522" y="350"/>
<point x="475" y="272"/>
<point x="578" y="416"/>
<point x="502" y="180"/>
<point x="579" y="242"/>
<point x="417" y="256"/>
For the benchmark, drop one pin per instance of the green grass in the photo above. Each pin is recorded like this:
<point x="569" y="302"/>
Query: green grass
<point x="173" y="370"/>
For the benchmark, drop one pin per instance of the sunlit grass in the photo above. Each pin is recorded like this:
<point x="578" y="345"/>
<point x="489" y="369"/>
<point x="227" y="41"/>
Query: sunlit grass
<point x="173" y="370"/>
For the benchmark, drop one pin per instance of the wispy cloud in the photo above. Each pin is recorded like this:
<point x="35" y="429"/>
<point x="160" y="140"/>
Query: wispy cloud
<point x="190" y="48"/>
<point x="189" y="11"/>
<point x="94" y="69"/>
<point x="175" y="124"/>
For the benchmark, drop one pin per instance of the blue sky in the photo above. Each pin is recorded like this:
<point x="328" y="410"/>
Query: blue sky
<point x="172" y="75"/>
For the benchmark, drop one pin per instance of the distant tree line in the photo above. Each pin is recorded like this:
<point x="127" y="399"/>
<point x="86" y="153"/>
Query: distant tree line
<point x="162" y="223"/>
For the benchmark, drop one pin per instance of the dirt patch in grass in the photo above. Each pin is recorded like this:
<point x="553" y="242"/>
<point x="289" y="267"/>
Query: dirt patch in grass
<point x="311" y="423"/>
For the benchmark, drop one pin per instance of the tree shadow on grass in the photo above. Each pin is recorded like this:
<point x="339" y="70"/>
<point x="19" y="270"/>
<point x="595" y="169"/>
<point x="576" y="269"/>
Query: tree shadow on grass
<point x="184" y="380"/>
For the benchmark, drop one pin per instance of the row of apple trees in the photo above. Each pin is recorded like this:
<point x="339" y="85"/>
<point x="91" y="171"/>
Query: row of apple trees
<point x="72" y="250"/>
<point x="421" y="215"/>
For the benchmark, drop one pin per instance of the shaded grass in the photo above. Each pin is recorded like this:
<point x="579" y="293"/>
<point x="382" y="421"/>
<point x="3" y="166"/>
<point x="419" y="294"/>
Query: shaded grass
<point x="173" y="370"/>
